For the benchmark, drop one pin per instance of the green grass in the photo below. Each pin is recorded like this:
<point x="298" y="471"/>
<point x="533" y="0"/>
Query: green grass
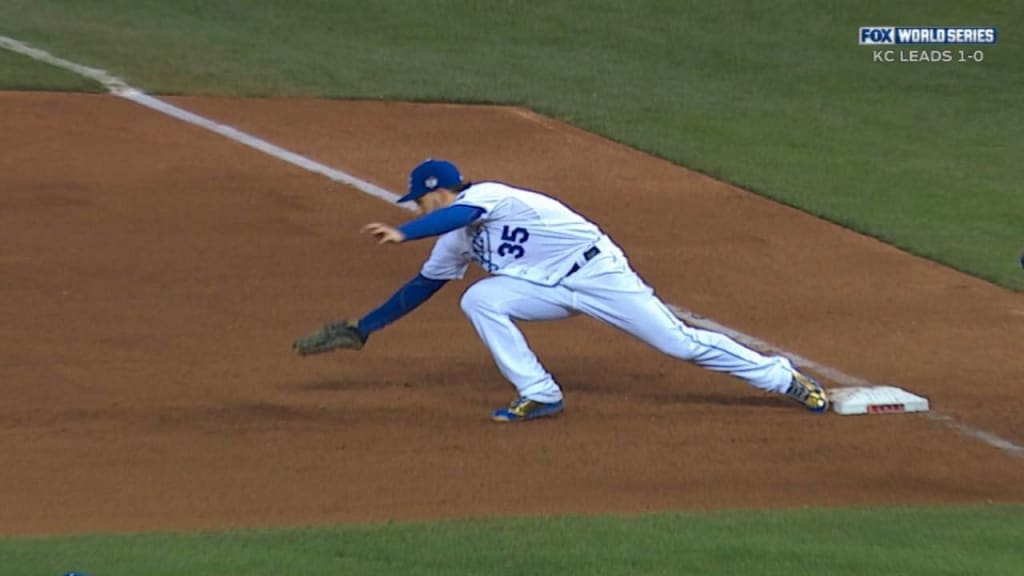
<point x="926" y="542"/>
<point x="20" y="73"/>
<point x="776" y="97"/>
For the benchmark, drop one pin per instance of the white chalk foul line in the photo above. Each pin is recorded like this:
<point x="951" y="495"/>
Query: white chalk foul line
<point x="102" y="76"/>
<point x="839" y="377"/>
<point x="274" y="150"/>
<point x="121" y="89"/>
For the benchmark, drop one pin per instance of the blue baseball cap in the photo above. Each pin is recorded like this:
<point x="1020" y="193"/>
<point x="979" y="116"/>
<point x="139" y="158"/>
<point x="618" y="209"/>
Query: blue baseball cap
<point x="430" y="175"/>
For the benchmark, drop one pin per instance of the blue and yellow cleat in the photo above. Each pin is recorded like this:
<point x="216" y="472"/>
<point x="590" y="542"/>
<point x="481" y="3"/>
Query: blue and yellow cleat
<point x="808" y="392"/>
<point x="526" y="409"/>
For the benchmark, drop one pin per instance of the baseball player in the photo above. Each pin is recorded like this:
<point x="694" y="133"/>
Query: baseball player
<point x="546" y="262"/>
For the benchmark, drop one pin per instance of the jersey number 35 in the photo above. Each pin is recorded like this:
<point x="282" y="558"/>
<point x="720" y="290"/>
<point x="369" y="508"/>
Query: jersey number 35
<point x="514" y="238"/>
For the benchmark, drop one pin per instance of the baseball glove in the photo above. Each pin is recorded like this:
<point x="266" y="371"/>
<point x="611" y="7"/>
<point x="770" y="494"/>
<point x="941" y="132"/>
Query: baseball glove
<point x="330" y="336"/>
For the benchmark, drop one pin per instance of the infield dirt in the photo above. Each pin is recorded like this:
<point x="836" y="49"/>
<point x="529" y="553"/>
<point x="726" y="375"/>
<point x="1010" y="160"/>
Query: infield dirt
<point x="154" y="276"/>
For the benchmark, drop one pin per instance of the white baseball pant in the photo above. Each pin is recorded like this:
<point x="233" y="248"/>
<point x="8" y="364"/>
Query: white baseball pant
<point x="605" y="288"/>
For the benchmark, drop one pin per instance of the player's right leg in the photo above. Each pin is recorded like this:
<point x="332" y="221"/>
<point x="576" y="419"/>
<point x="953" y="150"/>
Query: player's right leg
<point x="491" y="305"/>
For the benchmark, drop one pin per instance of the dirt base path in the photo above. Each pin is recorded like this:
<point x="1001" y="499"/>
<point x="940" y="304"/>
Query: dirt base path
<point x="154" y="276"/>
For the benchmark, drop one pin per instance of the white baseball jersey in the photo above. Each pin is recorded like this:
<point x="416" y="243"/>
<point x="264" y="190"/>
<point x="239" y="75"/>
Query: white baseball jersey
<point x="530" y="242"/>
<point x="521" y="234"/>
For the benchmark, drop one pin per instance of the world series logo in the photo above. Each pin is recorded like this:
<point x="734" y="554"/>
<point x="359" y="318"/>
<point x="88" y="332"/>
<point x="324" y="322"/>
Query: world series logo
<point x="968" y="40"/>
<point x="889" y="35"/>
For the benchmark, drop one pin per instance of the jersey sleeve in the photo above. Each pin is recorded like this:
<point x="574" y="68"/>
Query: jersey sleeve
<point x="449" y="258"/>
<point x="485" y="196"/>
<point x="440" y="221"/>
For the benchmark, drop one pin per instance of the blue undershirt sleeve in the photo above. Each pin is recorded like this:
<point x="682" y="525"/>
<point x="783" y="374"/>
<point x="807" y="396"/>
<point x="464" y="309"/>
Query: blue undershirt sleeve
<point x="404" y="300"/>
<point x="440" y="221"/>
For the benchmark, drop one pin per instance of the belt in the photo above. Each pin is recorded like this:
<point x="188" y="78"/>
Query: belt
<point x="587" y="257"/>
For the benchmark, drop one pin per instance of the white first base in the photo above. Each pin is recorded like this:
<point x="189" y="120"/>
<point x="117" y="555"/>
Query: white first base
<point x="875" y="400"/>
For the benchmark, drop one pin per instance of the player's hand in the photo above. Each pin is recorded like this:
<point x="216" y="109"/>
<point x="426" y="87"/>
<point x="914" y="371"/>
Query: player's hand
<point x="383" y="233"/>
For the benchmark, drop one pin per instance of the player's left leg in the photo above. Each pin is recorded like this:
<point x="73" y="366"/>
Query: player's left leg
<point x="491" y="305"/>
<point x="610" y="291"/>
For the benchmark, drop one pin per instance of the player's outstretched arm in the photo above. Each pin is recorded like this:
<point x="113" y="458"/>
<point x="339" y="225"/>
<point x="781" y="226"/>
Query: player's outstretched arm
<point x="352" y="335"/>
<point x="404" y="300"/>
<point x="434" y="224"/>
